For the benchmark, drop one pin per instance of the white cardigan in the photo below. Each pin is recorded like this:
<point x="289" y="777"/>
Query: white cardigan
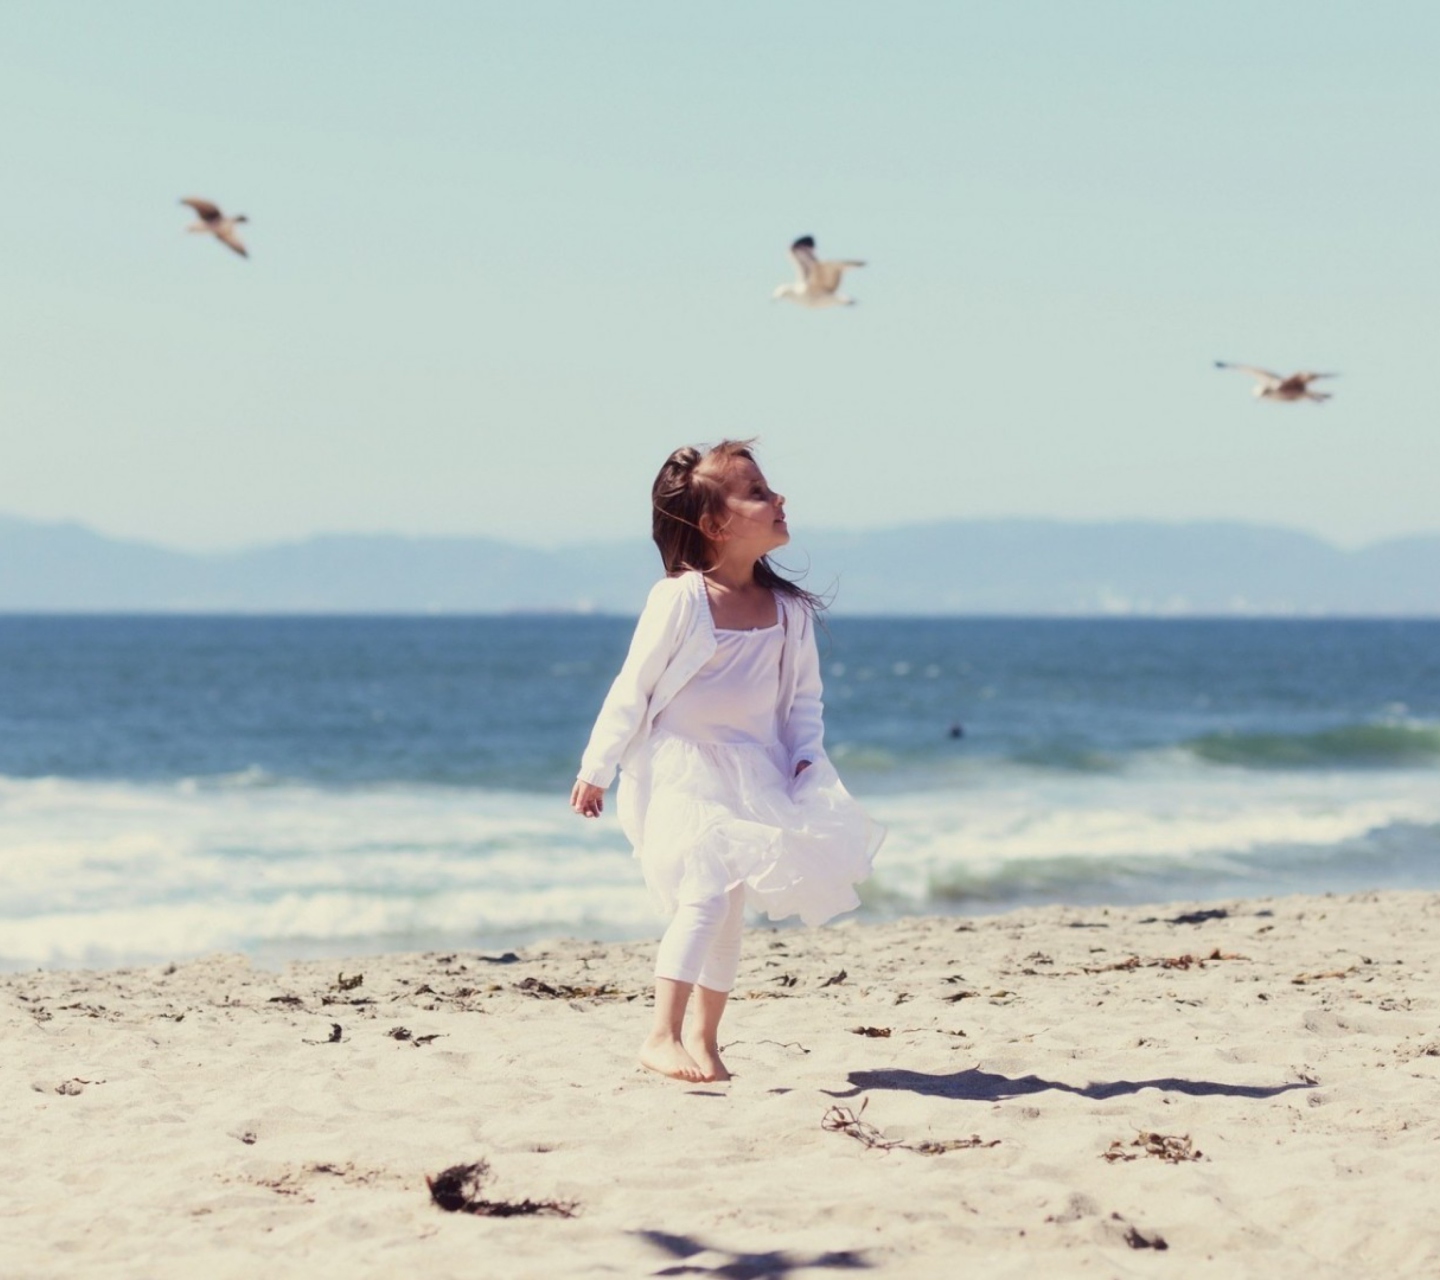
<point x="673" y="640"/>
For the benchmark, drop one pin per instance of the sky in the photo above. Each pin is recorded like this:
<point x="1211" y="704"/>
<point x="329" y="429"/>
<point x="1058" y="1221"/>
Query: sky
<point x="506" y="256"/>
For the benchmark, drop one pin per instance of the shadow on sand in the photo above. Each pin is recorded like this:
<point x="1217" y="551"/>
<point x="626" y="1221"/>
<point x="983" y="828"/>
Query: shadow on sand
<point x="986" y="1086"/>
<point x="774" y="1265"/>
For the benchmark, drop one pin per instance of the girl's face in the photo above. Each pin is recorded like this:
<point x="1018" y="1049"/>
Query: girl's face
<point x="754" y="517"/>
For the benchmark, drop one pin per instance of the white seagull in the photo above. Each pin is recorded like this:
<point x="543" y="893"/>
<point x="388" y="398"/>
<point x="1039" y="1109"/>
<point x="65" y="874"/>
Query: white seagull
<point x="819" y="282"/>
<point x="1272" y="386"/>
<point x="216" y="223"/>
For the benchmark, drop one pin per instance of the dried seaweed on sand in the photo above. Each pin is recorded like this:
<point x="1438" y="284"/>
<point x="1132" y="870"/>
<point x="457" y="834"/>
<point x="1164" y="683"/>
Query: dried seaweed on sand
<point x="842" y="1120"/>
<point x="564" y="991"/>
<point x="1169" y="1147"/>
<point x="404" y="1033"/>
<point x="1303" y="979"/>
<point x="1187" y="961"/>
<point x="457" y="1190"/>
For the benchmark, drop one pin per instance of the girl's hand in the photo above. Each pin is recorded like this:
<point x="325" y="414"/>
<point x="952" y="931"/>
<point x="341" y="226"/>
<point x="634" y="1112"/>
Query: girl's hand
<point x="587" y="800"/>
<point x="801" y="767"/>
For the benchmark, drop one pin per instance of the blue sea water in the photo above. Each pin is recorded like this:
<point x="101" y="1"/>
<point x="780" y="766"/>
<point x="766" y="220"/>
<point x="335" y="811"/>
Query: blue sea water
<point x="324" y="786"/>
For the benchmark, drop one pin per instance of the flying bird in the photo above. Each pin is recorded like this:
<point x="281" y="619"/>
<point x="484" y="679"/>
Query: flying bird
<point x="819" y="282"/>
<point x="1272" y="386"/>
<point x="216" y="223"/>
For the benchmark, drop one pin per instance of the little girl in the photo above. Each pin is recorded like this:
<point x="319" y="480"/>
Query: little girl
<point x="715" y="724"/>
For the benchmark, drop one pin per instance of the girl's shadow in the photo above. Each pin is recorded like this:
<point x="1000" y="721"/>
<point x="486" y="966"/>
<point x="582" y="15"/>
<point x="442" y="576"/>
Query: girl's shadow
<point x="986" y="1086"/>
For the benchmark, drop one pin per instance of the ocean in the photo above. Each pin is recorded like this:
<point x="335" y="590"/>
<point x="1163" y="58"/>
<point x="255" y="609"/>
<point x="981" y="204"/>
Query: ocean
<point x="299" y="787"/>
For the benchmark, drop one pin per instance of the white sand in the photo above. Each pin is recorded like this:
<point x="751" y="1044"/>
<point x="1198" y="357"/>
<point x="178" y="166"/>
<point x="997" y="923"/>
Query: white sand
<point x="196" y="1122"/>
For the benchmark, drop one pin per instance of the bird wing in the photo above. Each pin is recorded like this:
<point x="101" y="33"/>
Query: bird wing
<point x="826" y="276"/>
<point x="204" y="208"/>
<point x="1253" y="370"/>
<point x="226" y="236"/>
<point x="803" y="251"/>
<point x="1308" y="378"/>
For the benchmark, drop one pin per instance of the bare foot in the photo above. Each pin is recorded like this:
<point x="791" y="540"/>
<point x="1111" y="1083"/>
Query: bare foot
<point x="669" y="1058"/>
<point x="708" y="1056"/>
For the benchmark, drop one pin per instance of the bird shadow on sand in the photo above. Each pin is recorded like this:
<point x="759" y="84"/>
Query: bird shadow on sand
<point x="698" y="1259"/>
<point x="988" y="1086"/>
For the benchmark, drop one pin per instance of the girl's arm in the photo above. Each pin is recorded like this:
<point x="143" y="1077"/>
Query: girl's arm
<point x="657" y="635"/>
<point x="804" y="730"/>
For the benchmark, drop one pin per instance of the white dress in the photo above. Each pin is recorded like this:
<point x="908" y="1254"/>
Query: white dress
<point x="713" y="806"/>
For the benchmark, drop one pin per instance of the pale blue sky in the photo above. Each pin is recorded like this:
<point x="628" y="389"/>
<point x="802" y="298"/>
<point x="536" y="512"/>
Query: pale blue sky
<point x="506" y="256"/>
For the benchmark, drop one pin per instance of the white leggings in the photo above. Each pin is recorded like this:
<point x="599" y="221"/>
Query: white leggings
<point x="702" y="943"/>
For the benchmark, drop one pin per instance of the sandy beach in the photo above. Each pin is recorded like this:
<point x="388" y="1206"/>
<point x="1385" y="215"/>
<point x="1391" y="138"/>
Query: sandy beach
<point x="1244" y="1088"/>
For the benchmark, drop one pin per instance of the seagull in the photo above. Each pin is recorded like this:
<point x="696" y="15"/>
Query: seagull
<point x="1271" y="386"/>
<point x="216" y="223"/>
<point x="819" y="282"/>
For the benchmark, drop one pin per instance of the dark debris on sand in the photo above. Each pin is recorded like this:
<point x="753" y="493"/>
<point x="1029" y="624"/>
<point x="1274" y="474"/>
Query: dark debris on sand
<point x="404" y="1033"/>
<point x="1187" y="961"/>
<point x="1137" y="1238"/>
<point x="564" y="991"/>
<point x="457" y="1190"/>
<point x="1172" y="1148"/>
<point x="1200" y="917"/>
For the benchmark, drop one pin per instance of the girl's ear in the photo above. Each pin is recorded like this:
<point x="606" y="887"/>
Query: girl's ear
<point x="713" y="530"/>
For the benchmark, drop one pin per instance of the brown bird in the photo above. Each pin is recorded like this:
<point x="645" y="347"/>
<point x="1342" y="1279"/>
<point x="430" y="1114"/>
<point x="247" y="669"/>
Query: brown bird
<point x="1272" y="386"/>
<point x="217" y="224"/>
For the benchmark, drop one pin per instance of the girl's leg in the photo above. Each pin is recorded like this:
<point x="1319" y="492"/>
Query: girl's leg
<point x="703" y="1041"/>
<point x="682" y="954"/>
<point x="663" y="1050"/>
<point x="713" y="988"/>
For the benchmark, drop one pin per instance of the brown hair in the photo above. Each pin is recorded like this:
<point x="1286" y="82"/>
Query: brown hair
<point x="684" y="493"/>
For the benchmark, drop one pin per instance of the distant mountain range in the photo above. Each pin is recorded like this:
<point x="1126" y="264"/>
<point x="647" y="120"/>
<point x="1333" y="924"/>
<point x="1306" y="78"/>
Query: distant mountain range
<point x="957" y="567"/>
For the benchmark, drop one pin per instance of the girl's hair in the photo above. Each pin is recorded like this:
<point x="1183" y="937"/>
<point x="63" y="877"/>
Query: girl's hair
<point x="691" y="486"/>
